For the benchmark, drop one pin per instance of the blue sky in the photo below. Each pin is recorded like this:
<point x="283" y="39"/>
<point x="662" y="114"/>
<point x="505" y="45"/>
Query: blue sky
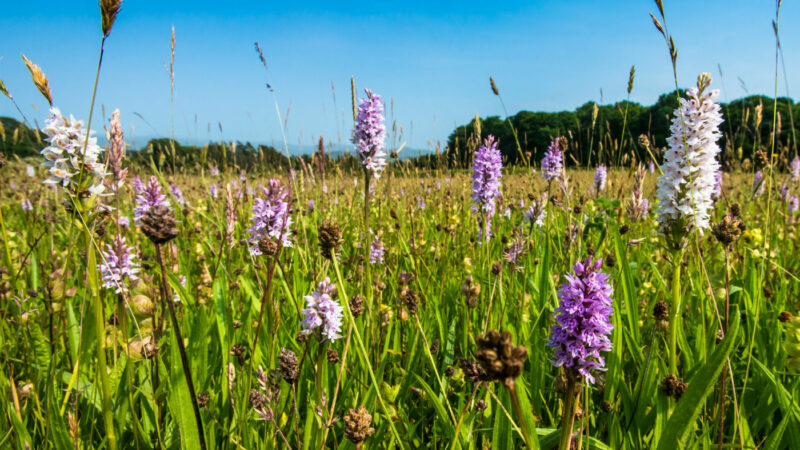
<point x="432" y="60"/>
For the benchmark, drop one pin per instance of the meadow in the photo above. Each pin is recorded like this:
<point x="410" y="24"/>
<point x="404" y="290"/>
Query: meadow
<point x="372" y="302"/>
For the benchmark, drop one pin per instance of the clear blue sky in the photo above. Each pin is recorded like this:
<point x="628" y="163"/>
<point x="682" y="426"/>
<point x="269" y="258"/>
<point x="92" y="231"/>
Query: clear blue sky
<point x="434" y="61"/>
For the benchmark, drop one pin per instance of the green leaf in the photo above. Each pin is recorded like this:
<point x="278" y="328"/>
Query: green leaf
<point x="40" y="346"/>
<point x="700" y="387"/>
<point x="180" y="401"/>
<point x="441" y="412"/>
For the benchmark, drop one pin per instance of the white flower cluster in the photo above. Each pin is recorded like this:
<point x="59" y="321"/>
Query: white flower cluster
<point x="685" y="190"/>
<point x="66" y="158"/>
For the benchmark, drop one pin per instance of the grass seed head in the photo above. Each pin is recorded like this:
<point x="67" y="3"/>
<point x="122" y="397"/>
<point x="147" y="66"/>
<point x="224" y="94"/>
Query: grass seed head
<point x="39" y="79"/>
<point x="109" y="10"/>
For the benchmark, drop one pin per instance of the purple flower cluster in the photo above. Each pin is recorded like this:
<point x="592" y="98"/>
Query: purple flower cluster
<point x="138" y="185"/>
<point x="791" y="208"/>
<point x="552" y="163"/>
<point x="376" y="251"/>
<point x="322" y="312"/>
<point x="784" y="192"/>
<point x="583" y="323"/>
<point x="758" y="183"/>
<point x="176" y="191"/>
<point x="796" y="168"/>
<point x="147" y="197"/>
<point x="537" y="211"/>
<point x="271" y="217"/>
<point x="717" y="192"/>
<point x="119" y="263"/>
<point x="516" y="250"/>
<point x="600" y="175"/>
<point x="486" y="174"/>
<point x="369" y="135"/>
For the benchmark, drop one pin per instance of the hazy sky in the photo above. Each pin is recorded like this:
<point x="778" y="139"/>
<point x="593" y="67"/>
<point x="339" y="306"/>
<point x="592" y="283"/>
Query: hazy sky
<point x="434" y="61"/>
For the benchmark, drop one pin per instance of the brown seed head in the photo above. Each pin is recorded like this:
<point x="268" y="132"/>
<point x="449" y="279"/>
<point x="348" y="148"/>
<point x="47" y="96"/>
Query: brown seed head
<point x="202" y="399"/>
<point x="159" y="224"/>
<point x="330" y="238"/>
<point x="661" y="310"/>
<point x="267" y="246"/>
<point x="357" y="425"/>
<point x="287" y="360"/>
<point x="39" y="79"/>
<point x="333" y="356"/>
<point x="499" y="358"/>
<point x="727" y="230"/>
<point x="472" y="369"/>
<point x="673" y="387"/>
<point x="109" y="10"/>
<point x="410" y="300"/>
<point x="357" y="305"/>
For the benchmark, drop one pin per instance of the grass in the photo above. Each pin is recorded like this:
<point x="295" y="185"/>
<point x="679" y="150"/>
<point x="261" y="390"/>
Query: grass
<point x="417" y="396"/>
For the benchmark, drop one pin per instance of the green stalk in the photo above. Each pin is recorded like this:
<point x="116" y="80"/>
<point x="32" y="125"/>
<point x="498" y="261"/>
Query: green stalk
<point x="568" y="413"/>
<point x="365" y="359"/>
<point x="518" y="411"/>
<point x="674" y="309"/>
<point x="184" y="360"/>
<point x="99" y="322"/>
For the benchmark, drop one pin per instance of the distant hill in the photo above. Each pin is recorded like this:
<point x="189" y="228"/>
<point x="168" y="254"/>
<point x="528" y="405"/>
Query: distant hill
<point x="536" y="129"/>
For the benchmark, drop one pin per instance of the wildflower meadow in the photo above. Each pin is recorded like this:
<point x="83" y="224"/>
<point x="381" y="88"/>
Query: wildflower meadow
<point x="606" y="290"/>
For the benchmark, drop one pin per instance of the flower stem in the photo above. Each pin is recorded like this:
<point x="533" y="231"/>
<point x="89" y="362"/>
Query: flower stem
<point x="186" y="370"/>
<point x="102" y="368"/>
<point x="675" y="310"/>
<point x="568" y="412"/>
<point x="518" y="411"/>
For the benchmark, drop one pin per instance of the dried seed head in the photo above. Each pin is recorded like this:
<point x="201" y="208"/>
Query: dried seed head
<point x="287" y="360"/>
<point x="494" y="86"/>
<point x="109" y="10"/>
<point x="357" y="425"/>
<point x="661" y="310"/>
<point x="630" y="79"/>
<point x="496" y="268"/>
<point x="39" y="79"/>
<point x="673" y="387"/>
<point x="202" y="399"/>
<point x="159" y="224"/>
<point x="480" y="406"/>
<point x="357" y="305"/>
<point x="472" y="369"/>
<point x="333" y="356"/>
<point x="499" y="358"/>
<point x="610" y="260"/>
<point x="785" y="316"/>
<point x="410" y="300"/>
<point x="267" y="246"/>
<point x="404" y="278"/>
<point x="471" y="291"/>
<point x="330" y="238"/>
<point x="257" y="399"/>
<point x="727" y="230"/>
<point x="761" y="159"/>
<point x="435" y="346"/>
